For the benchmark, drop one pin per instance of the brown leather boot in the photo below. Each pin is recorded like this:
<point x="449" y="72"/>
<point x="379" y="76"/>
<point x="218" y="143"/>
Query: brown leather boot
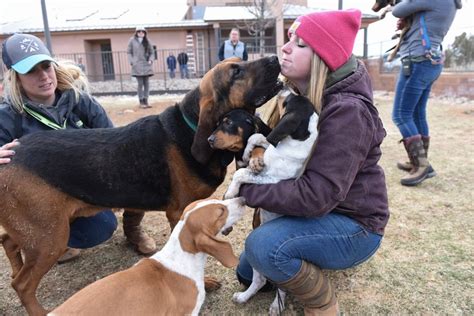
<point x="419" y="160"/>
<point x="407" y="165"/>
<point x="142" y="243"/>
<point x="313" y="289"/>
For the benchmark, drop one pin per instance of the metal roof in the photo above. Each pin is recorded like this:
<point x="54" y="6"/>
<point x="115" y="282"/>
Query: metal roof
<point x="62" y="17"/>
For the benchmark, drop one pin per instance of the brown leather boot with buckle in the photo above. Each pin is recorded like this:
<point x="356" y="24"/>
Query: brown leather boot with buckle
<point x="142" y="243"/>
<point x="419" y="160"/>
<point x="408" y="166"/>
<point x="314" y="290"/>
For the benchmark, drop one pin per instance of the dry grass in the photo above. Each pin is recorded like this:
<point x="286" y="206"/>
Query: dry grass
<point x="425" y="264"/>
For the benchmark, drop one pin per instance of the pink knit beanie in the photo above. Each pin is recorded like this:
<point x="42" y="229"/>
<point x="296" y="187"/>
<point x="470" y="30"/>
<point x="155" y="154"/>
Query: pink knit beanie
<point x="331" y="34"/>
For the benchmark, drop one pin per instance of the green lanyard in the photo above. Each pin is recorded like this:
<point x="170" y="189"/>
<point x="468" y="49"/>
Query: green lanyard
<point x="43" y="119"/>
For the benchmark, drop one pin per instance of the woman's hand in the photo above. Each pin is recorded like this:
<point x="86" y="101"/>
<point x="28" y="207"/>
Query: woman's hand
<point x="6" y="151"/>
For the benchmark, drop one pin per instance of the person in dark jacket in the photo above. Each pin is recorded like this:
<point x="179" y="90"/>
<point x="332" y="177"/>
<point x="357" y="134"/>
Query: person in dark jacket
<point x="233" y="47"/>
<point x="183" y="65"/>
<point x="43" y="94"/>
<point x="335" y="213"/>
<point x="422" y="60"/>
<point x="140" y="56"/>
<point x="171" y="63"/>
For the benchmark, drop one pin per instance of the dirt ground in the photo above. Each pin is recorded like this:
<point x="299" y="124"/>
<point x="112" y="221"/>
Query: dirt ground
<point x="423" y="267"/>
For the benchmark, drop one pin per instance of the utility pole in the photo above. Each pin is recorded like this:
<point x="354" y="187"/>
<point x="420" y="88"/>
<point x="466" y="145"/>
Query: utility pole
<point x="47" y="34"/>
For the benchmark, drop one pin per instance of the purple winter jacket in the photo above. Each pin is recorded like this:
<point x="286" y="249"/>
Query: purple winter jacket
<point x="342" y="175"/>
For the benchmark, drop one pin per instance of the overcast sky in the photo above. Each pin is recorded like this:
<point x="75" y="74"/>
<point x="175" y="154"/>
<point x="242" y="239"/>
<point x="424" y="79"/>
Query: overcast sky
<point x="378" y="34"/>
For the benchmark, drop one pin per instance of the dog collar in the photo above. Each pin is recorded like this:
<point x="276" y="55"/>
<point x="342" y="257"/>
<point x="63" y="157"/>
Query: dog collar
<point x="192" y="125"/>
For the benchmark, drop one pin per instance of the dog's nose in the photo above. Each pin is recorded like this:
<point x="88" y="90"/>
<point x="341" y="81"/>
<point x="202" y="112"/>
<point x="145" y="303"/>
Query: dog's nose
<point x="273" y="59"/>
<point x="211" y="140"/>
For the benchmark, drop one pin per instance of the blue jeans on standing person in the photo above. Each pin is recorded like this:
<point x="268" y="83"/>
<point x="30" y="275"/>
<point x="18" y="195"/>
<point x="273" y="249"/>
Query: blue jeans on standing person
<point x="183" y="69"/>
<point x="411" y="97"/>
<point x="87" y="232"/>
<point x="276" y="249"/>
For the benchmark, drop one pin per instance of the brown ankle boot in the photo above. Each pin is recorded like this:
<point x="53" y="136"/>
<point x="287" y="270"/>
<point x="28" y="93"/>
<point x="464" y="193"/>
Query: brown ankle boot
<point x="313" y="289"/>
<point x="408" y="166"/>
<point x="419" y="160"/>
<point x="143" y="243"/>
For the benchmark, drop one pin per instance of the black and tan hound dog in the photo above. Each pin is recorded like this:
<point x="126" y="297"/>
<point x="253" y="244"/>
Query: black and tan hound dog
<point x="160" y="162"/>
<point x="234" y="130"/>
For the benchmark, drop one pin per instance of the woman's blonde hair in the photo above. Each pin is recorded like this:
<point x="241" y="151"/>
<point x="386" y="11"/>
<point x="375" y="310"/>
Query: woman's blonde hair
<point x="318" y="76"/>
<point x="68" y="74"/>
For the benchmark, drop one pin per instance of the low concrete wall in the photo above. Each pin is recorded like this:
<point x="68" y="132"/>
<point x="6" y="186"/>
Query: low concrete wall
<point x="451" y="84"/>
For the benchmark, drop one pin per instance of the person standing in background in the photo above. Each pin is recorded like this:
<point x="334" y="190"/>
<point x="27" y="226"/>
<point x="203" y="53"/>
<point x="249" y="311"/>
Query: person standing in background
<point x="140" y="56"/>
<point x="422" y="62"/>
<point x="233" y="47"/>
<point x="81" y="65"/>
<point x="171" y="63"/>
<point x="183" y="65"/>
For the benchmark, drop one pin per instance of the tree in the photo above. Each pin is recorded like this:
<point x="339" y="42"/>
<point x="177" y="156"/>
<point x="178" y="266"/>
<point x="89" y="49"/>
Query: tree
<point x="461" y="52"/>
<point x="265" y="13"/>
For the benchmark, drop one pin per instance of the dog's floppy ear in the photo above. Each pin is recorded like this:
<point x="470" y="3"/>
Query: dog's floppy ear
<point x="208" y="118"/>
<point x="298" y="110"/>
<point x="200" y="148"/>
<point x="218" y="248"/>
<point x="285" y="127"/>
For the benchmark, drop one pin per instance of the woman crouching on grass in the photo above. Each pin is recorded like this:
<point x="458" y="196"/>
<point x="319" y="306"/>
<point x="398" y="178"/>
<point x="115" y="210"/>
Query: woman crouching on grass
<point x="335" y="213"/>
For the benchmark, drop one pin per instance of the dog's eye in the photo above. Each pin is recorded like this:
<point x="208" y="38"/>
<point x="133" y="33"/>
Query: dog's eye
<point x="237" y="72"/>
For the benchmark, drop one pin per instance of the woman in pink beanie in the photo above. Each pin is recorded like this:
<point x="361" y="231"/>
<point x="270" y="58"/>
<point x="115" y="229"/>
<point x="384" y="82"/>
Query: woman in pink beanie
<point x="335" y="213"/>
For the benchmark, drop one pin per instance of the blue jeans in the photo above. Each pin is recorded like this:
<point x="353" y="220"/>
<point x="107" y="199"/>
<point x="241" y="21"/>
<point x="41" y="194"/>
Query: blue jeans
<point x="411" y="97"/>
<point x="183" y="69"/>
<point x="87" y="232"/>
<point x="276" y="249"/>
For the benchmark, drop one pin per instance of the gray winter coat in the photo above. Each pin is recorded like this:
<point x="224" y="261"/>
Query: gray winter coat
<point x="140" y="59"/>
<point x="439" y="15"/>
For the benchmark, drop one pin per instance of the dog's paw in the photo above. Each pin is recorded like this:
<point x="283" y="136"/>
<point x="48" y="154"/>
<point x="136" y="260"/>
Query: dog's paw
<point x="234" y="186"/>
<point x="232" y="192"/>
<point x="275" y="308"/>
<point x="278" y="304"/>
<point x="240" y="297"/>
<point x="256" y="164"/>
<point x="211" y="284"/>
<point x="256" y="140"/>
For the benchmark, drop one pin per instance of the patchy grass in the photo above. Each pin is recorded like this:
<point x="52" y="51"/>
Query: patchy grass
<point x="425" y="264"/>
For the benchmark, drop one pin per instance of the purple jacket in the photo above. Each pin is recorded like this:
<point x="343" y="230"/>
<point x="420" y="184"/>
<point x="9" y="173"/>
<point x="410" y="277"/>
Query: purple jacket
<point x="342" y="175"/>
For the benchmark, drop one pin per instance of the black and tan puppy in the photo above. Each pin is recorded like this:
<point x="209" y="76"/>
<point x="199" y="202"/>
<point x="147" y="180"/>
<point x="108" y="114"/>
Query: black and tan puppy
<point x="160" y="162"/>
<point x="234" y="130"/>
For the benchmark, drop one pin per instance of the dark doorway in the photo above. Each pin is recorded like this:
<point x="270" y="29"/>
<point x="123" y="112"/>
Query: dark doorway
<point x="107" y="61"/>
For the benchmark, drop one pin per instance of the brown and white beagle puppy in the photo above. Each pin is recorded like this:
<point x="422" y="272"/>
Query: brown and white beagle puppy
<point x="171" y="282"/>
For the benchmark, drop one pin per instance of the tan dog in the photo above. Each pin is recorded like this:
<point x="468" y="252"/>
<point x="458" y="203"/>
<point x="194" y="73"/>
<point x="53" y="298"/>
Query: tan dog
<point x="171" y="282"/>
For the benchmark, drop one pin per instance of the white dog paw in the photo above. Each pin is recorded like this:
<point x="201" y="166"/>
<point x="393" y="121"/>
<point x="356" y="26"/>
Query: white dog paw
<point x="275" y="310"/>
<point x="232" y="192"/>
<point x="254" y="141"/>
<point x="240" y="297"/>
